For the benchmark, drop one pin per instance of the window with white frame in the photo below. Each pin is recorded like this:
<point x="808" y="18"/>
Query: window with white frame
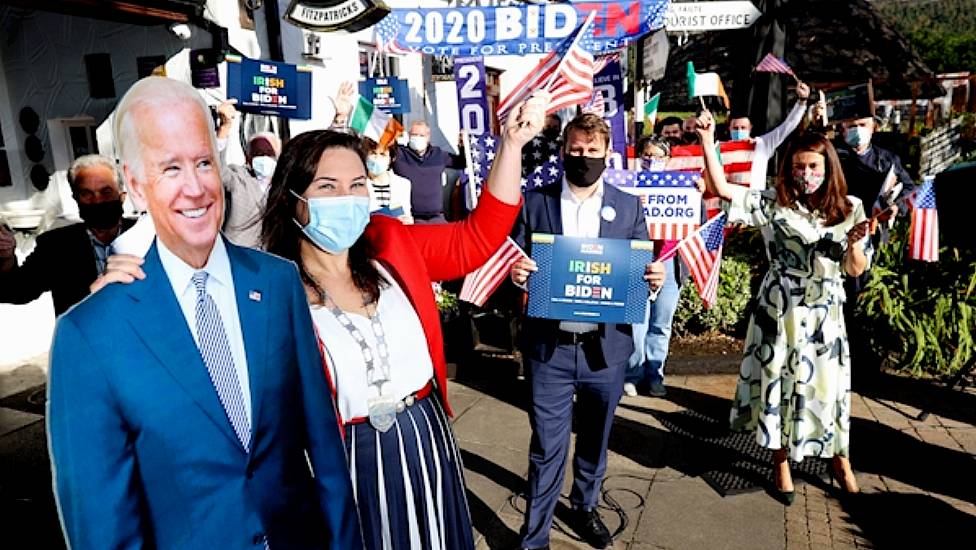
<point x="373" y="63"/>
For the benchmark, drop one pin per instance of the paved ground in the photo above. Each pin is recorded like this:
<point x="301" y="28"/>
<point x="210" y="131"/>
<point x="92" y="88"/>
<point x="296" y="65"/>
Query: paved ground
<point x="917" y="477"/>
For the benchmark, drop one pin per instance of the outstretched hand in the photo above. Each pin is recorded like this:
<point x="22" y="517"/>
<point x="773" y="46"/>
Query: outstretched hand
<point x="527" y="118"/>
<point x="344" y="99"/>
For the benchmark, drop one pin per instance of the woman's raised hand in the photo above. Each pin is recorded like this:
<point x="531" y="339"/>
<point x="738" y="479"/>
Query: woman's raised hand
<point x="527" y="119"/>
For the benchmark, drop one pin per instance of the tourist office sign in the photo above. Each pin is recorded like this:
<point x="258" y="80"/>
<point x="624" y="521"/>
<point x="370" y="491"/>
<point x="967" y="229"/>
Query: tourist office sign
<point x="334" y="15"/>
<point x="589" y="280"/>
<point x="710" y="16"/>
<point x="518" y="29"/>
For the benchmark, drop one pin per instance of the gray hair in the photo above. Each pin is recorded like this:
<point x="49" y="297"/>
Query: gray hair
<point x="91" y="161"/>
<point x="155" y="92"/>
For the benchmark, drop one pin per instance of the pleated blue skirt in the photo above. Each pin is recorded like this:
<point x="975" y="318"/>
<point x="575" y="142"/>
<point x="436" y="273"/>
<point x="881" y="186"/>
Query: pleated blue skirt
<point x="409" y="482"/>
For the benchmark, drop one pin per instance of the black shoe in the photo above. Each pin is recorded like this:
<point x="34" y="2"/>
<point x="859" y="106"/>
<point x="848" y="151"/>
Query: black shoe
<point x="590" y="527"/>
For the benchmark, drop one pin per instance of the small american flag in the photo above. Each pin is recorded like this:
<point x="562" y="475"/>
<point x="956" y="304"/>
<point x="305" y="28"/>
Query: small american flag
<point x="773" y="64"/>
<point x="386" y="36"/>
<point x="566" y="73"/>
<point x="481" y="283"/>
<point x="924" y="233"/>
<point x="702" y="253"/>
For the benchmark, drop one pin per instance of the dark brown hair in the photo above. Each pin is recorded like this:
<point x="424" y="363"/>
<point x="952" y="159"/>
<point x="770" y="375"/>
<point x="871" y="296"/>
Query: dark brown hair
<point x="281" y="234"/>
<point x="589" y="124"/>
<point x="831" y="199"/>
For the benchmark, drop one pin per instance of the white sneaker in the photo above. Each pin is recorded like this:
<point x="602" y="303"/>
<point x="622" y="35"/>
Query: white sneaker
<point x="630" y="390"/>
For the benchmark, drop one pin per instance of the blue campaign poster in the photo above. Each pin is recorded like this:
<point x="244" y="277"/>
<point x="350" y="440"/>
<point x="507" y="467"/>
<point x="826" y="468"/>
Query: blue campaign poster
<point x="269" y="87"/>
<point x="589" y="280"/>
<point x="390" y="95"/>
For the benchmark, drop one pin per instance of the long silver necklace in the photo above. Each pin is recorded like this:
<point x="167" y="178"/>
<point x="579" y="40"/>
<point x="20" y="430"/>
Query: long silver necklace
<point x="382" y="407"/>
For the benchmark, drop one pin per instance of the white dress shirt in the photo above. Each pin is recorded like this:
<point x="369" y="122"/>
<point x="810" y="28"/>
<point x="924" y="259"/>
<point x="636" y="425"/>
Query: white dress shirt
<point x="410" y="363"/>
<point x="220" y="286"/>
<point x="581" y="218"/>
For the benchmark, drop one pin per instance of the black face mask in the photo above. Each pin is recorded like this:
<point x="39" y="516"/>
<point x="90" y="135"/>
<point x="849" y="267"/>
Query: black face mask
<point x="552" y="134"/>
<point x="583" y="171"/>
<point x="101" y="215"/>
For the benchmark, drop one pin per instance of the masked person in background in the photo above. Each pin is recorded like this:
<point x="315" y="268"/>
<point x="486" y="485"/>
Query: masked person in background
<point x="572" y="358"/>
<point x="246" y="187"/>
<point x="68" y="259"/>
<point x="388" y="193"/>
<point x="423" y="164"/>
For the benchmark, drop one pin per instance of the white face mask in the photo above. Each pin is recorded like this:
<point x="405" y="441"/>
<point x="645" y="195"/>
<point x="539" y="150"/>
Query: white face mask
<point x="858" y="135"/>
<point x="418" y="143"/>
<point x="264" y="167"/>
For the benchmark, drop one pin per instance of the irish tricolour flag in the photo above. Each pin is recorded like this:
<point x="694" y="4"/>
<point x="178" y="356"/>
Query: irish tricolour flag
<point x="375" y="124"/>
<point x="703" y="84"/>
<point x="650" y="114"/>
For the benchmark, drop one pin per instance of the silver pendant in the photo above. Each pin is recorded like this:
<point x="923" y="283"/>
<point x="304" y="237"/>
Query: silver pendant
<point x="382" y="412"/>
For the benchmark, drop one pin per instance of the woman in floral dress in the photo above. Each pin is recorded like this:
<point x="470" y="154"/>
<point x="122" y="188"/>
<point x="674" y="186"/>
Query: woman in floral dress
<point x="795" y="379"/>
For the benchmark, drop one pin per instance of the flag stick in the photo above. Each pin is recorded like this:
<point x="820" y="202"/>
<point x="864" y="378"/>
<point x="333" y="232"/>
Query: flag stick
<point x="582" y="30"/>
<point x="702" y="100"/>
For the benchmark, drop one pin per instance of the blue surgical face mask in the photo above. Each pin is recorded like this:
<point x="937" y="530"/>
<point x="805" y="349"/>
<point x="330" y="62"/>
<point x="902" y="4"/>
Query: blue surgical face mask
<point x="377" y="164"/>
<point x="857" y="136"/>
<point x="739" y="134"/>
<point x="335" y="223"/>
<point x="264" y="166"/>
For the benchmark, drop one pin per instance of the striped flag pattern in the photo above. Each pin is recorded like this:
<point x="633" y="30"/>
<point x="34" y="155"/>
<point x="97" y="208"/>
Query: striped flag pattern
<point x="386" y="36"/>
<point x="736" y="157"/>
<point x="596" y="105"/>
<point x="924" y="233"/>
<point x="374" y="123"/>
<point x="566" y="73"/>
<point x="773" y="64"/>
<point x="702" y="253"/>
<point x="650" y="113"/>
<point x="481" y="283"/>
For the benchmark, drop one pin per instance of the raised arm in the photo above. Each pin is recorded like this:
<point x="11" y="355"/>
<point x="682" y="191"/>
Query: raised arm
<point x="775" y="137"/>
<point x="715" y="180"/>
<point x="455" y="249"/>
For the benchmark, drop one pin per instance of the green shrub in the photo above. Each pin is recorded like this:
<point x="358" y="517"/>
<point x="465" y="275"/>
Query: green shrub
<point x="743" y="260"/>
<point x="918" y="316"/>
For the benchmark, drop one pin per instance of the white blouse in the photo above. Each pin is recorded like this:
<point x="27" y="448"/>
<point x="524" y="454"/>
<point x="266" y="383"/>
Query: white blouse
<point x="410" y="364"/>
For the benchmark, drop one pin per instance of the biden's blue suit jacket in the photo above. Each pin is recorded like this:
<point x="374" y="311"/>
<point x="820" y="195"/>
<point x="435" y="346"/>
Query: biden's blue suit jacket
<point x="143" y="454"/>
<point x="542" y="213"/>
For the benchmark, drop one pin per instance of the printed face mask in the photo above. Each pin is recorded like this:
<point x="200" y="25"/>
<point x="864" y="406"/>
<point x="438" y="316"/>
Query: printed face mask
<point x="810" y="181"/>
<point x="335" y="223"/>
<point x="583" y="171"/>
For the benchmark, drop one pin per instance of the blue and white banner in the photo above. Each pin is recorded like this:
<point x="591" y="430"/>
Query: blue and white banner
<point x="590" y="280"/>
<point x="671" y="201"/>
<point x="517" y="30"/>
<point x="269" y="87"/>
<point x="469" y="74"/>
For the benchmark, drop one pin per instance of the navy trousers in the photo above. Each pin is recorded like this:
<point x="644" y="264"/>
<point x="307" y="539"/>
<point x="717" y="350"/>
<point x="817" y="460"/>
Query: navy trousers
<point x="573" y="369"/>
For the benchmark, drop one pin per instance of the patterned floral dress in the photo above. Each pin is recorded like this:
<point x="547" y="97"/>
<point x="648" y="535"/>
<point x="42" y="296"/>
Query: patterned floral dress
<point x="794" y="384"/>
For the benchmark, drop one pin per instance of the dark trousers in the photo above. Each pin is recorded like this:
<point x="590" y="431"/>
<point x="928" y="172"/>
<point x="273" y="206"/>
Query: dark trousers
<point x="573" y="369"/>
<point x="429" y="218"/>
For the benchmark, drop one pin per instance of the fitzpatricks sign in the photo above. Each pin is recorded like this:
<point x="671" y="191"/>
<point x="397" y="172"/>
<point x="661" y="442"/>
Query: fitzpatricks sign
<point x="520" y="29"/>
<point x="270" y="88"/>
<point x="469" y="74"/>
<point x="391" y="95"/>
<point x="589" y="280"/>
<point x="333" y="15"/>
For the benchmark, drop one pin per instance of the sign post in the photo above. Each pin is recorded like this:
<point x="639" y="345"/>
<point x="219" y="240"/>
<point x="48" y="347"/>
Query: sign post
<point x="710" y="16"/>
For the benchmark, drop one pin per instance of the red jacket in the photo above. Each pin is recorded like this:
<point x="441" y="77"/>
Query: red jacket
<point x="417" y="255"/>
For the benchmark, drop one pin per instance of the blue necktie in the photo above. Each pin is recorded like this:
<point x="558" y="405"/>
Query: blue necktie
<point x="215" y="351"/>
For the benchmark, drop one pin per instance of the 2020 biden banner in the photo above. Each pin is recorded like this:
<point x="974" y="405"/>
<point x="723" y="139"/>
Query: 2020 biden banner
<point x="589" y="280"/>
<point x="518" y="30"/>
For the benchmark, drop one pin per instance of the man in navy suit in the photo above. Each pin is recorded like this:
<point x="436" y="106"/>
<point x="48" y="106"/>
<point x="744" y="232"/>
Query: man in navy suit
<point x="567" y="358"/>
<point x="189" y="409"/>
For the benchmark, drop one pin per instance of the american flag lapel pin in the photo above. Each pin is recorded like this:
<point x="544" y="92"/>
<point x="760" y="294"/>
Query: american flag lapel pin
<point x="255" y="295"/>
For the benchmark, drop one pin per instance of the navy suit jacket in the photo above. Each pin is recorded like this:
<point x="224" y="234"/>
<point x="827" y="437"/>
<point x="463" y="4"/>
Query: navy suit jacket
<point x="143" y="453"/>
<point x="542" y="213"/>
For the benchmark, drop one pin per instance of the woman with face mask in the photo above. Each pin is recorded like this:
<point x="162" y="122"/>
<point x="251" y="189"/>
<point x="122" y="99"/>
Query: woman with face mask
<point x="795" y="379"/>
<point x="367" y="281"/>
<point x="388" y="192"/>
